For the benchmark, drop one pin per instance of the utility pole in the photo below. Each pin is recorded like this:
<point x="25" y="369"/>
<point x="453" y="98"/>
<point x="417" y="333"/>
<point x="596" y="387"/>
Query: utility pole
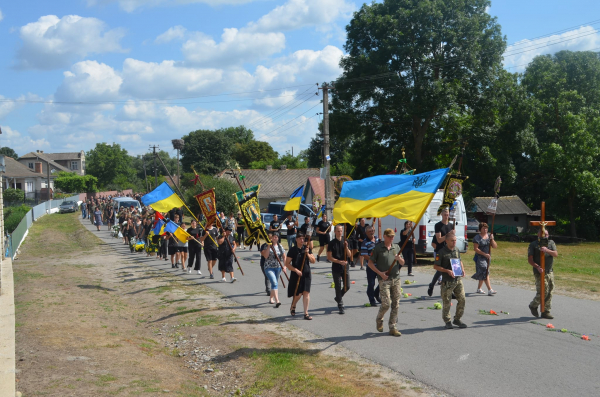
<point x="145" y="175"/>
<point x="155" y="169"/>
<point x="328" y="187"/>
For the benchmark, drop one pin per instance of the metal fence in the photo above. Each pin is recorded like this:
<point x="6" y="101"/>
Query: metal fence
<point x="15" y="239"/>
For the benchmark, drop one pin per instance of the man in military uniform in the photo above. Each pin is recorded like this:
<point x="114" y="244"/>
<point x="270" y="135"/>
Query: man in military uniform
<point x="451" y="283"/>
<point x="386" y="260"/>
<point x="533" y="256"/>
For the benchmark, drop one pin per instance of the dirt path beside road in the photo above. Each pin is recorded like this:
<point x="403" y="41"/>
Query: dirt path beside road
<point x="94" y="321"/>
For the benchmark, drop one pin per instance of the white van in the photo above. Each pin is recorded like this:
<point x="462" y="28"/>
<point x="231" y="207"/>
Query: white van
<point x="126" y="202"/>
<point x="426" y="228"/>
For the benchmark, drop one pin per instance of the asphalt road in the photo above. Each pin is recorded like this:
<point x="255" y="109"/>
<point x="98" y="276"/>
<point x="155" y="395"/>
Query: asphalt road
<point x="496" y="355"/>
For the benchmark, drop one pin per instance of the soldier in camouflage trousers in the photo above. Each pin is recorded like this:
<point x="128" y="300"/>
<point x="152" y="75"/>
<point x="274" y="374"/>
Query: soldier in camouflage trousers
<point x="386" y="260"/>
<point x="451" y="284"/>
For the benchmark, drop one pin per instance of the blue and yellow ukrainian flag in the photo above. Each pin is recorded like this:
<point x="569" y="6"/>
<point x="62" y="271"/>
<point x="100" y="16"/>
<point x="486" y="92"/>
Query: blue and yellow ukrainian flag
<point x="158" y="229"/>
<point x="293" y="203"/>
<point x="162" y="199"/>
<point x="402" y="196"/>
<point x="182" y="235"/>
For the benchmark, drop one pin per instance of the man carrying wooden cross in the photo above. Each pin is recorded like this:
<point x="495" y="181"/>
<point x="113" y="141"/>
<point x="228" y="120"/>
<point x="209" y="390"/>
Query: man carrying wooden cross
<point x="542" y="264"/>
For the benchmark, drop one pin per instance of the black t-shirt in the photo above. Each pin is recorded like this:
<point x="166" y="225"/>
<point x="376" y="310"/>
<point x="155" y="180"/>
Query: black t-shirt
<point x="304" y="227"/>
<point x="195" y="232"/>
<point x="403" y="237"/>
<point x="291" y="227"/>
<point x="274" y="226"/>
<point x="443" y="230"/>
<point x="336" y="247"/>
<point x="361" y="232"/>
<point x="297" y="255"/>
<point x="323" y="226"/>
<point x="350" y="231"/>
<point x="225" y="249"/>
<point x="208" y="242"/>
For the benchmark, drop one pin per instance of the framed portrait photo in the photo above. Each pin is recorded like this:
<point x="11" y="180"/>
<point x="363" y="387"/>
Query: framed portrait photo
<point x="456" y="267"/>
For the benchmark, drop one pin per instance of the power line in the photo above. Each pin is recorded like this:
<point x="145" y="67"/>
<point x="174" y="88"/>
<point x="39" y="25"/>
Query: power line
<point x="283" y="125"/>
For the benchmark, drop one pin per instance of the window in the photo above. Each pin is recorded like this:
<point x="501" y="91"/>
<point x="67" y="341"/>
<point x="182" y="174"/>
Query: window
<point x="30" y="165"/>
<point x="28" y="187"/>
<point x="516" y="219"/>
<point x="74" y="165"/>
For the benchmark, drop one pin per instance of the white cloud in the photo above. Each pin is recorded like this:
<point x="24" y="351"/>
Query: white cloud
<point x="236" y="47"/>
<point x="304" y="66"/>
<point x="176" y="32"/>
<point x="167" y="79"/>
<point x="132" y="5"/>
<point x="89" y="81"/>
<point x="54" y="42"/>
<point x="518" y="55"/>
<point x="20" y="143"/>
<point x="1" y="15"/>
<point x="296" y="14"/>
<point x="6" y="106"/>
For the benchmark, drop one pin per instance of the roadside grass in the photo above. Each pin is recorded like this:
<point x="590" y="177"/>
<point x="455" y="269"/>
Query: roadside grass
<point x="73" y="237"/>
<point x="301" y="372"/>
<point x="576" y="270"/>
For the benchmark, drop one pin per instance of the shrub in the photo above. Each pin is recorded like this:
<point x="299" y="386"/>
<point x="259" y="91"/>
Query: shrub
<point x="13" y="195"/>
<point x="13" y="216"/>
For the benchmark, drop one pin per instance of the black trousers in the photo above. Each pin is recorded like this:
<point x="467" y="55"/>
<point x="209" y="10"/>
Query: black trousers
<point x="435" y="278"/>
<point x="409" y="255"/>
<point x="162" y="252"/>
<point x="194" y="252"/>
<point x="341" y="285"/>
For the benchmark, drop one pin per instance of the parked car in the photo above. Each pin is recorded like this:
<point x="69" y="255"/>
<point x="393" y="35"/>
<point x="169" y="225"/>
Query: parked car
<point x="267" y="218"/>
<point x="276" y="207"/>
<point x="472" y="226"/>
<point x="68" y="206"/>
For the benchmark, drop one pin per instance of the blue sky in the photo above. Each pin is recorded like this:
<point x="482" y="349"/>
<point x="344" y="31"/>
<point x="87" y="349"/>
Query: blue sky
<point x="141" y="72"/>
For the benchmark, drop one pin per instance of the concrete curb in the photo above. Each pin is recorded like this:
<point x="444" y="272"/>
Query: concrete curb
<point x="7" y="331"/>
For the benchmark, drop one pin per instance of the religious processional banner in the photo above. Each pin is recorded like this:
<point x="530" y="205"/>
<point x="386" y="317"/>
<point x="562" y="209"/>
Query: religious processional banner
<point x="452" y="191"/>
<point x="250" y="210"/>
<point x="240" y="195"/>
<point x="208" y="206"/>
<point x="402" y="196"/>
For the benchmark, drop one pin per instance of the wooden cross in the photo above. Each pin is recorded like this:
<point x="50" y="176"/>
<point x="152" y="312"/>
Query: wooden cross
<point x="543" y="242"/>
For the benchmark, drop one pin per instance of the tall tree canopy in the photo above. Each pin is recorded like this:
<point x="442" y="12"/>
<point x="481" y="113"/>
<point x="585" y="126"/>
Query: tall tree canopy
<point x="110" y="164"/>
<point x="409" y="63"/>
<point x="9" y="152"/>
<point x="565" y="88"/>
<point x="207" y="151"/>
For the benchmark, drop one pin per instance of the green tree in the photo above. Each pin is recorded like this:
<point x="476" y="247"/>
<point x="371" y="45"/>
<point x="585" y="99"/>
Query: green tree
<point x="428" y="57"/>
<point x="137" y="163"/>
<point x="564" y="157"/>
<point x="240" y="134"/>
<point x="207" y="151"/>
<point x="245" y="153"/>
<point x="69" y="182"/>
<point x="9" y="152"/>
<point x="109" y="162"/>
<point x="291" y="162"/>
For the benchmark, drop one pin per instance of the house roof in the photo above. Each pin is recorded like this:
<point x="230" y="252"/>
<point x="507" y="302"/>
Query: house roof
<point x="507" y="205"/>
<point x="14" y="169"/>
<point x="275" y="183"/>
<point x="64" y="156"/>
<point x="46" y="158"/>
<point x="318" y="186"/>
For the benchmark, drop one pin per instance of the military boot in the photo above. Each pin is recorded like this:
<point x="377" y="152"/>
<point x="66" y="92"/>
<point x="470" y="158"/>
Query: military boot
<point x="534" y="311"/>
<point x="547" y="315"/>
<point x="395" y="332"/>
<point x="459" y="323"/>
<point x="380" y="325"/>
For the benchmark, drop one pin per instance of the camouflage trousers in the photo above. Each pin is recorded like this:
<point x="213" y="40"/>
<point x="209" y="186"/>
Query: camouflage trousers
<point x="448" y="288"/>
<point x="389" y="291"/>
<point x="548" y="290"/>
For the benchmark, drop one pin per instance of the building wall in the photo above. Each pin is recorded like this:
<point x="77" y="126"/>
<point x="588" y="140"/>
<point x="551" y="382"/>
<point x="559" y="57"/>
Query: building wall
<point x="509" y="220"/>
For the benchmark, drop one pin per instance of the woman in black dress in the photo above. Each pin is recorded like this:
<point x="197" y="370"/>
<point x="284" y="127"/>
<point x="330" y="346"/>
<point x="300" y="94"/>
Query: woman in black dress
<point x="300" y="276"/>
